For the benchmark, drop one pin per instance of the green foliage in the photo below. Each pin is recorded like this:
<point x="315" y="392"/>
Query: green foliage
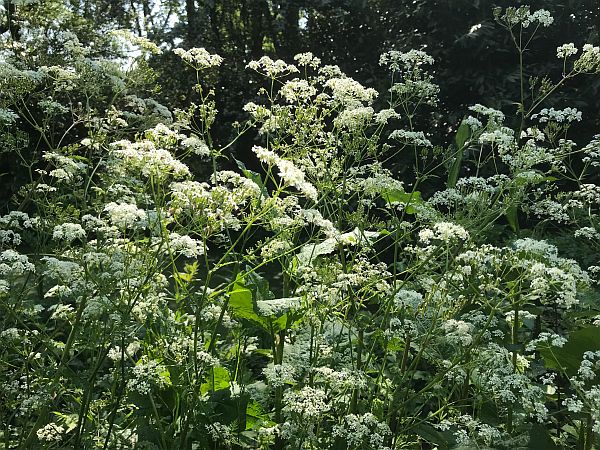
<point x="342" y="274"/>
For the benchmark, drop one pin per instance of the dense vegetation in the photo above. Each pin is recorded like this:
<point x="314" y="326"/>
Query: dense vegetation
<point x="213" y="237"/>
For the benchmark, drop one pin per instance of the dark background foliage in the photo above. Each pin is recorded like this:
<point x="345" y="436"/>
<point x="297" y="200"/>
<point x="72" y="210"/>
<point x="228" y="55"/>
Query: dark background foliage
<point x="475" y="60"/>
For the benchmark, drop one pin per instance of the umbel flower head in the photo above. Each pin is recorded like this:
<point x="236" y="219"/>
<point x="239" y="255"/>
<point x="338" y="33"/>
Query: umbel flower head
<point x="199" y="58"/>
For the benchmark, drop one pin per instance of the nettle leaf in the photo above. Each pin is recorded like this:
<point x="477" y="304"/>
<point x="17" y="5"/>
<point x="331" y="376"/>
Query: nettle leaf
<point x="570" y="355"/>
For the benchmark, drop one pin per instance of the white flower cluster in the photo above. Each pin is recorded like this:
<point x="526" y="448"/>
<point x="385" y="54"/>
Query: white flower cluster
<point x="68" y="232"/>
<point x="18" y="220"/>
<point x="525" y="17"/>
<point x="278" y="306"/>
<point x="588" y="233"/>
<point x="494" y="116"/>
<point x="420" y="87"/>
<point x="308" y="403"/>
<point x="566" y="50"/>
<point x="7" y="116"/>
<point x="271" y="68"/>
<point x="363" y="431"/>
<point x="354" y="119"/>
<point x="146" y="158"/>
<point x="349" y="92"/>
<point x="245" y="188"/>
<point x="341" y="381"/>
<point x="9" y="237"/>
<point x="297" y="91"/>
<point x="287" y="171"/>
<point x="443" y="231"/>
<point x="503" y="137"/>
<point x="458" y="332"/>
<point x="407" y="298"/>
<point x="50" y="433"/>
<point x="67" y="168"/>
<point x="275" y="248"/>
<point x="309" y="252"/>
<point x="277" y="375"/>
<point x="379" y="182"/>
<point x="589" y="61"/>
<point x="65" y="271"/>
<point x="396" y="60"/>
<point x="473" y="123"/>
<point x="314" y="217"/>
<point x="15" y="264"/>
<point x="588" y="193"/>
<point x="126" y="215"/>
<point x="411" y="138"/>
<point x="146" y="375"/>
<point x="307" y="59"/>
<point x="196" y="145"/>
<point x="185" y="245"/>
<point x="383" y="116"/>
<point x="592" y="152"/>
<point x="199" y="58"/>
<point x="541" y="16"/>
<point x="560" y="116"/>
<point x="553" y="285"/>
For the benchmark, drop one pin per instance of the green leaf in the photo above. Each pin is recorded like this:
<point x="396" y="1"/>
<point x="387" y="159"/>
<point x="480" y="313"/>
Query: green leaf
<point x="512" y="217"/>
<point x="570" y="355"/>
<point x="442" y="440"/>
<point x="242" y="305"/>
<point x="398" y="195"/>
<point x="219" y="380"/>
<point x="255" y="415"/>
<point x="254" y="176"/>
<point x="540" y="439"/>
<point x="462" y="136"/>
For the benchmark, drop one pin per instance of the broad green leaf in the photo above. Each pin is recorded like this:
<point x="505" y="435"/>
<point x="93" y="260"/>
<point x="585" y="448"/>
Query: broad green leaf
<point x="442" y="440"/>
<point x="243" y="302"/>
<point x="398" y="195"/>
<point x="218" y="380"/>
<point x="570" y="355"/>
<point x="255" y="415"/>
<point x="540" y="439"/>
<point x="242" y="305"/>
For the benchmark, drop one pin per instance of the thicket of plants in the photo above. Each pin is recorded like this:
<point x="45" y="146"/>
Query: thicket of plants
<point x="158" y="293"/>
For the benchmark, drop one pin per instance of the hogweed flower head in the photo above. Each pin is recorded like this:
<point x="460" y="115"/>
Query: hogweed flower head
<point x="199" y="58"/>
<point x="272" y="68"/>
<point x="566" y="50"/>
